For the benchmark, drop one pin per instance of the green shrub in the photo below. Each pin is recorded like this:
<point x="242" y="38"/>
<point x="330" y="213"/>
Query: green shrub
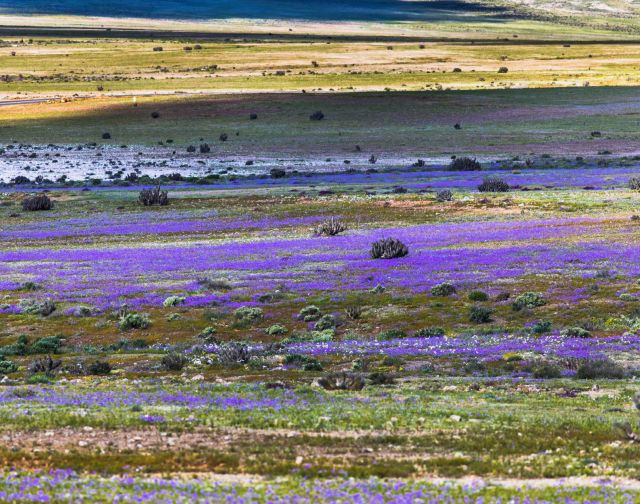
<point x="46" y="345"/>
<point x="541" y="327"/>
<point x="310" y="313"/>
<point x="34" y="307"/>
<point x="134" y="321"/>
<point x="39" y="379"/>
<point x="7" y="367"/>
<point x="310" y="337"/>
<point x="529" y="300"/>
<point x="575" y="332"/>
<point x="325" y="322"/>
<point x="478" y="296"/>
<point x="443" y="289"/>
<point x="480" y="314"/>
<point x="173" y="301"/>
<point x="277" y="330"/>
<point x="248" y="315"/>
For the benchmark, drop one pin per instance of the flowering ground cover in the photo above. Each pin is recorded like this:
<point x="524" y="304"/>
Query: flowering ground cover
<point x="249" y="343"/>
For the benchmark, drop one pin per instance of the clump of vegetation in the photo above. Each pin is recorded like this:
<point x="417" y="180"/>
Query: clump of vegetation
<point x="378" y="378"/>
<point x="429" y="332"/>
<point x="310" y="313"/>
<point x="48" y="344"/>
<point x="391" y="334"/>
<point x="601" y="368"/>
<point x="6" y="366"/>
<point x="317" y="116"/>
<point x="541" y="327"/>
<point x="214" y="284"/>
<point x="354" y="312"/>
<point x="388" y="248"/>
<point x="478" y="296"/>
<point x="99" y="368"/>
<point x="133" y="320"/>
<point x="173" y="301"/>
<point x="277" y="330"/>
<point x="248" y="315"/>
<point x="330" y="227"/>
<point x="325" y="322"/>
<point x="443" y="290"/>
<point x="480" y="314"/>
<point x="43" y="308"/>
<point x="575" y="332"/>
<point x="155" y="196"/>
<point x="208" y="335"/>
<point x="493" y="184"/>
<point x="547" y="371"/>
<point x="173" y="362"/>
<point x="634" y="183"/>
<point x="45" y="365"/>
<point x="233" y="353"/>
<point x="38" y="203"/>
<point x="444" y="195"/>
<point x="342" y="381"/>
<point x="464" y="164"/>
<point x="529" y="300"/>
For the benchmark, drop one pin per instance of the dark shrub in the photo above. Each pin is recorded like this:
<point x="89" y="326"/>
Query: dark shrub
<point x="173" y="362"/>
<point x="277" y="173"/>
<point x="378" y="378"/>
<point x="353" y="312"/>
<point x="99" y="368"/>
<point x="224" y="137"/>
<point x="204" y="148"/>
<point x="155" y="115"/>
<point x="478" y="296"/>
<point x="44" y="365"/>
<point x="547" y="371"/>
<point x="253" y="116"/>
<point x="342" y="381"/>
<point x="442" y="290"/>
<point x="191" y="148"/>
<point x="155" y="196"/>
<point x="20" y="180"/>
<point x="391" y="334"/>
<point x="330" y="227"/>
<point x="603" y="368"/>
<point x="444" y="195"/>
<point x="429" y="332"/>
<point x="493" y="184"/>
<point x="388" y="248"/>
<point x="480" y="314"/>
<point x="317" y="116"/>
<point x="233" y="353"/>
<point x="541" y="327"/>
<point x="464" y="164"/>
<point x="312" y="365"/>
<point x="37" y="203"/>
<point x="503" y="296"/>
<point x="634" y="183"/>
<point x="106" y="136"/>
<point x="503" y="70"/>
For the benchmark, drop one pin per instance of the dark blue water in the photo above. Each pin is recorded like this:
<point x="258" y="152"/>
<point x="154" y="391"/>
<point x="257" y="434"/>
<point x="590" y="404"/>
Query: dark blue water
<point x="312" y="10"/>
